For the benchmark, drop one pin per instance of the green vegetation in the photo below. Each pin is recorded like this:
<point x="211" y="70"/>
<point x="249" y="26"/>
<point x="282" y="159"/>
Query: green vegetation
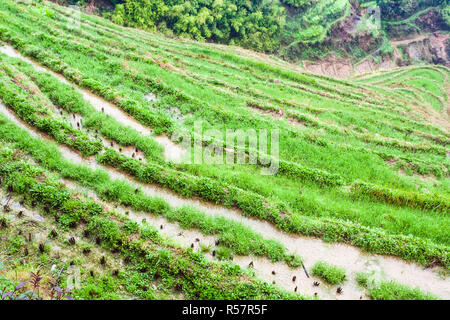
<point x="329" y="273"/>
<point x="314" y="23"/>
<point x="391" y="290"/>
<point x="318" y="149"/>
<point x="232" y="235"/>
<point x="363" y="162"/>
<point x="400" y="198"/>
<point x="252" y="24"/>
<point x="33" y="110"/>
<point x="362" y="279"/>
<point x="402" y="9"/>
<point x="292" y="29"/>
<point x="395" y="291"/>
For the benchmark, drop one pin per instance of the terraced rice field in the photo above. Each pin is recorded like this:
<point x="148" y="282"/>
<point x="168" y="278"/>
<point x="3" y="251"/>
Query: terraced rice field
<point x="92" y="180"/>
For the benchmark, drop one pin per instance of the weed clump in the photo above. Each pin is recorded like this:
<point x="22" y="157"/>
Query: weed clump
<point x="329" y="273"/>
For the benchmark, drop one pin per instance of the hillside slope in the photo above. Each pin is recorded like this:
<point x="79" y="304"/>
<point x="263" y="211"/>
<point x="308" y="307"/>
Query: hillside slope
<point x="337" y="38"/>
<point x="88" y="114"/>
<point x="378" y="35"/>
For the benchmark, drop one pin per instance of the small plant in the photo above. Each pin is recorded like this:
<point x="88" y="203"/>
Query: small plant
<point x="294" y="261"/>
<point x="328" y="273"/>
<point x="205" y="248"/>
<point x="390" y="290"/>
<point x="35" y="281"/>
